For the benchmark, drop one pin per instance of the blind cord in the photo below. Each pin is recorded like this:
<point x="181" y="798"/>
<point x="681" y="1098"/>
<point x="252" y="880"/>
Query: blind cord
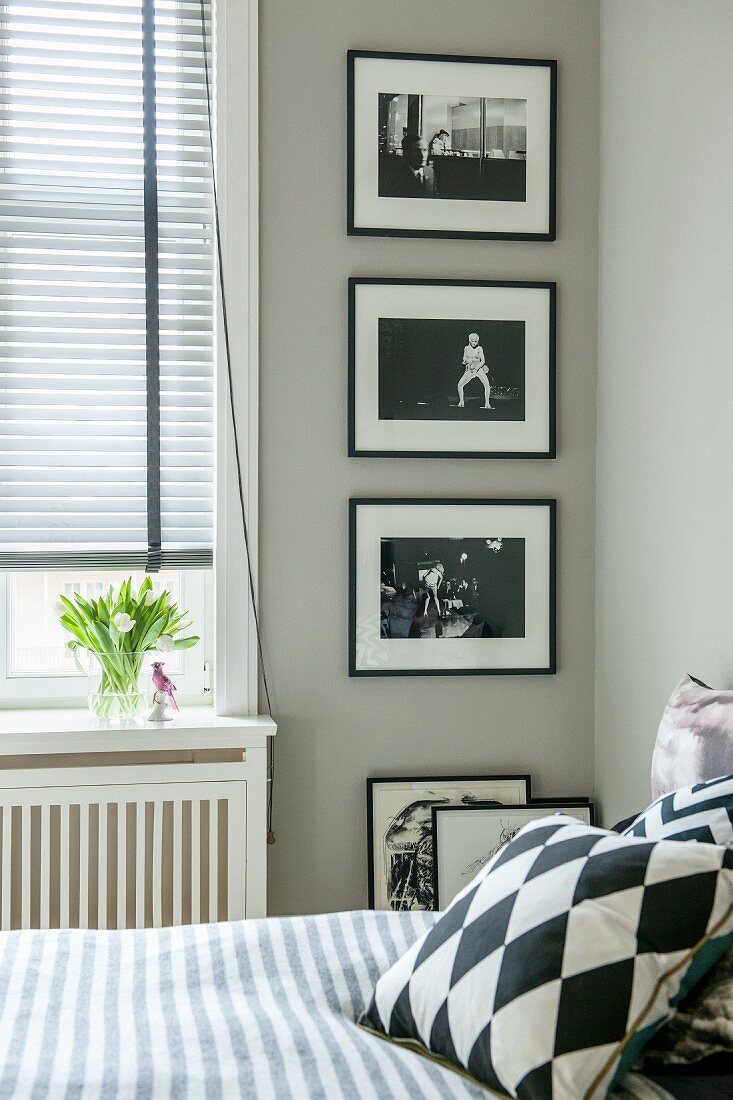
<point x="235" y="433"/>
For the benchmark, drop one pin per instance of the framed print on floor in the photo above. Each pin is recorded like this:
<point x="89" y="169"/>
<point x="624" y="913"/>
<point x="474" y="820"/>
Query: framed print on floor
<point x="399" y="829"/>
<point x="465" y="838"/>
<point x="453" y="368"/>
<point x="447" y="146"/>
<point x="451" y="587"/>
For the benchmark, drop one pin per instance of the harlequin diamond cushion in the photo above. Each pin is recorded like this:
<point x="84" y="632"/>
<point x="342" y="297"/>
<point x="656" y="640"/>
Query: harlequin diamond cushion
<point x="703" y="812"/>
<point x="695" y="737"/>
<point x="548" y="973"/>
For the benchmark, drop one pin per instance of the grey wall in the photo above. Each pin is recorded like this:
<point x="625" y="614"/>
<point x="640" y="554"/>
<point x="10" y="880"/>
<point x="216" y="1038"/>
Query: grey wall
<point x="334" y="731"/>
<point x="665" y="451"/>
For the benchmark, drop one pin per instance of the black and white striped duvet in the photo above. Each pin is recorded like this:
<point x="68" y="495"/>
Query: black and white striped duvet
<point x="261" y="1009"/>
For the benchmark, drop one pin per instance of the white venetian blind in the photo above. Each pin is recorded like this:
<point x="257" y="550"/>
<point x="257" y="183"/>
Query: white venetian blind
<point x="77" y="484"/>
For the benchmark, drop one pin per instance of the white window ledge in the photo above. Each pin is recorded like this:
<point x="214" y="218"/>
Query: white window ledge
<point x="25" y="732"/>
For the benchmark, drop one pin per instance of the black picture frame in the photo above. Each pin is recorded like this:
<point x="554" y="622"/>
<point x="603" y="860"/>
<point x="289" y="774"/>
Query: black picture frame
<point x="551" y="287"/>
<point x="550" y="804"/>
<point x="408" y="502"/>
<point x="427" y="780"/>
<point x="452" y="234"/>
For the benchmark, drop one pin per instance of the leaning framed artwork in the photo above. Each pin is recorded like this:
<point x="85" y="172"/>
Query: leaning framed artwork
<point x="465" y="838"/>
<point x="451" y="587"/>
<point x="452" y="368"/>
<point x="448" y="146"/>
<point x="399" y="829"/>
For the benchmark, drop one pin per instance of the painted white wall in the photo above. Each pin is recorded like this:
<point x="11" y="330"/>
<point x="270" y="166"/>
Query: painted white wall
<point x="665" y="403"/>
<point x="335" y="731"/>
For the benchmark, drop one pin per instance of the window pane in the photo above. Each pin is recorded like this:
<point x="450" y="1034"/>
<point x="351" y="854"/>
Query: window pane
<point x="37" y="639"/>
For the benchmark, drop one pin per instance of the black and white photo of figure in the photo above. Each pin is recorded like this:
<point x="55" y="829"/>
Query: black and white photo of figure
<point x="452" y="588"/>
<point x="433" y="369"/>
<point x="457" y="147"/>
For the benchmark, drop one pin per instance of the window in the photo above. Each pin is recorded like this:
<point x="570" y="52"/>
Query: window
<point x="106" y="328"/>
<point x="34" y="658"/>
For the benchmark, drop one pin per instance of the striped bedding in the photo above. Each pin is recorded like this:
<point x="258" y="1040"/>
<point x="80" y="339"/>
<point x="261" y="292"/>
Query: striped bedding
<point x="262" y="1009"/>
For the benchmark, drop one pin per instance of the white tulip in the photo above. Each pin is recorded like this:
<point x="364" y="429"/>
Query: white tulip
<point x="165" y="643"/>
<point x="150" y="598"/>
<point x="123" y="622"/>
<point x="58" y="608"/>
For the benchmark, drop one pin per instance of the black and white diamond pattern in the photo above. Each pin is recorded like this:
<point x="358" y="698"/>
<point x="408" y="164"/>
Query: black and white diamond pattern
<point x="567" y="940"/>
<point x="702" y="812"/>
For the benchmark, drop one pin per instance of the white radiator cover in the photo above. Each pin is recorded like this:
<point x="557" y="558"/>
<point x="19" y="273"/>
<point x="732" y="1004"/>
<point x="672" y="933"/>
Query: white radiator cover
<point x="134" y="845"/>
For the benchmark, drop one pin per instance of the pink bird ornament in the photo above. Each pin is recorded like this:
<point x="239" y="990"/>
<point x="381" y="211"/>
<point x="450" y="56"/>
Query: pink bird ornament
<point x="164" y="684"/>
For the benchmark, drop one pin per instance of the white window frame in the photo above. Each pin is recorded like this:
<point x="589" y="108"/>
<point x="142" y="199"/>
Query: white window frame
<point x="235" y="82"/>
<point x="237" y="143"/>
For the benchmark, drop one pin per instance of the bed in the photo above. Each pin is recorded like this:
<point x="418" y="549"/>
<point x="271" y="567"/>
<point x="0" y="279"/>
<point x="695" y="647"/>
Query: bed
<point x="262" y="1009"/>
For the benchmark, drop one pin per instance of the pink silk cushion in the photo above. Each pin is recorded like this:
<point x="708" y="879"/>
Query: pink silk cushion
<point x="695" y="738"/>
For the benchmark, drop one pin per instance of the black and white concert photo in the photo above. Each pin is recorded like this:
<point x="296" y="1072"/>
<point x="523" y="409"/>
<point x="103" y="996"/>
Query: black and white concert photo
<point x="452" y="587"/>
<point x="463" y="370"/>
<point x="452" y="147"/>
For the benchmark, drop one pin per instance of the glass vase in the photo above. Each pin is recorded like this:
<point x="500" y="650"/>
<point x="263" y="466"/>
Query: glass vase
<point x="118" y="685"/>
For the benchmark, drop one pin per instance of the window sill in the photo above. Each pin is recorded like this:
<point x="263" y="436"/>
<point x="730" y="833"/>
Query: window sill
<point x="59" y="730"/>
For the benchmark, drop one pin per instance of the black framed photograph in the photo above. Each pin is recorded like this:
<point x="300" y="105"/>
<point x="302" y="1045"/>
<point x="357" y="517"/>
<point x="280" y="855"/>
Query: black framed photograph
<point x="449" y="146"/>
<point x="465" y="838"/>
<point x="399" y="829"/>
<point x="451" y="587"/>
<point x="452" y="368"/>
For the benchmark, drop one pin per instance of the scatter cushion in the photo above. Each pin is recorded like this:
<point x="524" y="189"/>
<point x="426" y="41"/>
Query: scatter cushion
<point x="695" y="738"/>
<point x="703" y="1026"/>
<point x="702" y="812"/>
<point x="549" y="972"/>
